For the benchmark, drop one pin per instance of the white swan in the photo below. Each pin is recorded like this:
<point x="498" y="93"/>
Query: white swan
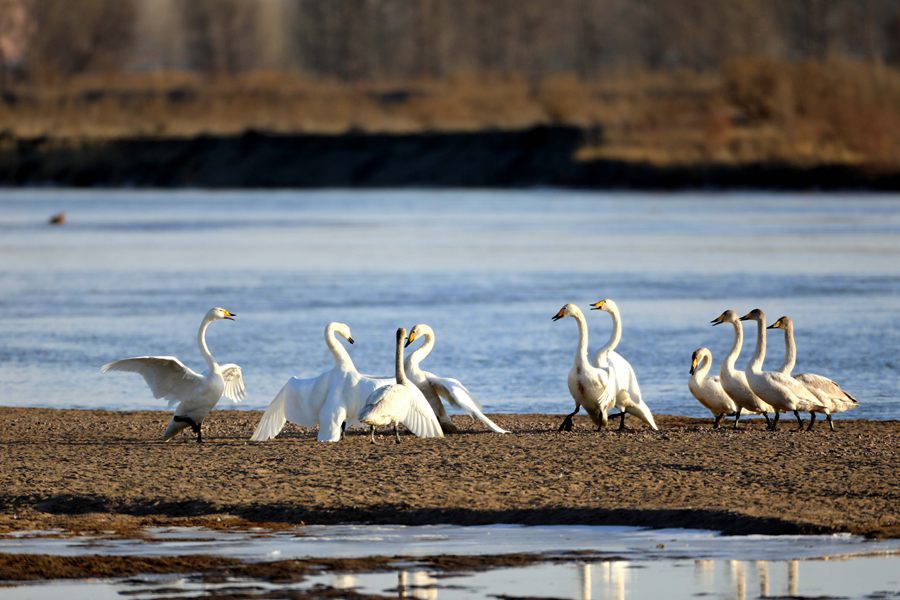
<point x="781" y="391"/>
<point x="400" y="402"/>
<point x="331" y="400"/>
<point x="435" y="388"/>
<point x="627" y="391"/>
<point x="734" y="382"/>
<point x="828" y="392"/>
<point x="195" y="394"/>
<point x="708" y="390"/>
<point x="587" y="383"/>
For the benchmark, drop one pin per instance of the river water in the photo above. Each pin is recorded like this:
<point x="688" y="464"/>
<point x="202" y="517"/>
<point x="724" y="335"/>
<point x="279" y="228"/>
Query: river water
<point x="133" y="272"/>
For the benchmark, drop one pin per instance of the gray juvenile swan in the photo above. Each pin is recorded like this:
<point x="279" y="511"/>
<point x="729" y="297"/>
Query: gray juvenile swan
<point x="708" y="390"/>
<point x="587" y="383"/>
<point x="779" y="390"/>
<point x="435" y="388"/>
<point x="400" y="402"/>
<point x="622" y="377"/>
<point x="829" y="392"/>
<point x="734" y="382"/>
<point x="195" y="394"/>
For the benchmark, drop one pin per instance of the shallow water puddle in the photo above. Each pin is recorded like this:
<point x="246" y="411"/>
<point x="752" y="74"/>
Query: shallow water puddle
<point x="625" y="562"/>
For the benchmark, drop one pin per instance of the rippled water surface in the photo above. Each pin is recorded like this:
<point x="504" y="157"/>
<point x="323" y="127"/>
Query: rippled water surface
<point x="132" y="273"/>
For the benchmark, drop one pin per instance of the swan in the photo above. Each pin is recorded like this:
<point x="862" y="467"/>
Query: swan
<point x="781" y="391"/>
<point x="400" y="402"/>
<point x="330" y="400"/>
<point x="587" y="383"/>
<point x="734" y="382"/>
<point x="195" y="394"/>
<point x="827" y="391"/>
<point x="708" y="390"/>
<point x="627" y="391"/>
<point x="434" y="388"/>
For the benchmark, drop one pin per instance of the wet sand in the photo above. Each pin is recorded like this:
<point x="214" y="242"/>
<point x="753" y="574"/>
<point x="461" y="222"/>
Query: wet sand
<point x="103" y="473"/>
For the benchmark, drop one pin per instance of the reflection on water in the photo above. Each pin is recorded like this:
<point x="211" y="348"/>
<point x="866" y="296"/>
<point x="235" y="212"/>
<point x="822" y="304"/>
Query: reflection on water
<point x="866" y="576"/>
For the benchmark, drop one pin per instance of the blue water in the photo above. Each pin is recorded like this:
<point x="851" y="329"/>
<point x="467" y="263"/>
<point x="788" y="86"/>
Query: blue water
<point x="132" y="273"/>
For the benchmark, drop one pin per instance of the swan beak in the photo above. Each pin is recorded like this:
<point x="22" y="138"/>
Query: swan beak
<point x="747" y="317"/>
<point x="775" y="325"/>
<point x="598" y="305"/>
<point x="558" y="315"/>
<point x="350" y="339"/>
<point x="718" y="320"/>
<point x="693" y="363"/>
<point x="230" y="315"/>
<point x="410" y="339"/>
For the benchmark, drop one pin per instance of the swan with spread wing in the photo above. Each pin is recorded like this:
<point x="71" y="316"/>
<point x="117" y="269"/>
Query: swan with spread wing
<point x="436" y="388"/>
<point x="194" y="394"/>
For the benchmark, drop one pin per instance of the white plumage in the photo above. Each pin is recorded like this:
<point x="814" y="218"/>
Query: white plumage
<point x="400" y="402"/>
<point x="622" y="376"/>
<point x="708" y="390"/>
<point x="331" y="400"/>
<point x="435" y="388"/>
<point x="194" y="394"/>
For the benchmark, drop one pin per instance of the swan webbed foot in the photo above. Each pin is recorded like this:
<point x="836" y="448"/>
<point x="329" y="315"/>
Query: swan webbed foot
<point x="812" y="421"/>
<point x="397" y="432"/>
<point x="566" y="425"/>
<point x="195" y="426"/>
<point x="718" y="418"/>
<point x="448" y="427"/>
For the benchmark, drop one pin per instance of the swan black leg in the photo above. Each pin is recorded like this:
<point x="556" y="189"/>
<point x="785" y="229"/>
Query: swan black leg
<point x="812" y="421"/>
<point x="830" y="424"/>
<point x="774" y="421"/>
<point x="799" y="420"/>
<point x="397" y="432"/>
<point x="737" y="417"/>
<point x="622" y="420"/>
<point x="718" y="418"/>
<point x="373" y="434"/>
<point x="604" y="420"/>
<point x="343" y="428"/>
<point x="768" y="422"/>
<point x="566" y="425"/>
<point x="195" y="427"/>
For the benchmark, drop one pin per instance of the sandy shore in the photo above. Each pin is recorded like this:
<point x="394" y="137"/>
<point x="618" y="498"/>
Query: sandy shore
<point x="100" y="471"/>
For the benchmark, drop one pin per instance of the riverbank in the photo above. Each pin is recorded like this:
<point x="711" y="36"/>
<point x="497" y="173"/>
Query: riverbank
<point x="102" y="471"/>
<point x="498" y="158"/>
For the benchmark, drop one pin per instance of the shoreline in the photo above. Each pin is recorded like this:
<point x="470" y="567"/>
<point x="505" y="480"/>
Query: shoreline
<point x="535" y="156"/>
<point x="97" y="471"/>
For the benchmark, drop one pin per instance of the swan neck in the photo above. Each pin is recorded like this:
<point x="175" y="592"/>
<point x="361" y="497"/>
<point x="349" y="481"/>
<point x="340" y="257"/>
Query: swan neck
<point x="420" y="353"/>
<point x="340" y="354"/>
<point x="582" y="354"/>
<point x="760" y="354"/>
<point x="400" y="372"/>
<point x="201" y="341"/>
<point x="731" y="358"/>
<point x="616" y="336"/>
<point x="790" y="351"/>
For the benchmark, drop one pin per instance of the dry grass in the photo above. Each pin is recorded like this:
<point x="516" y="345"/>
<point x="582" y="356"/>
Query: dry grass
<point x="840" y="112"/>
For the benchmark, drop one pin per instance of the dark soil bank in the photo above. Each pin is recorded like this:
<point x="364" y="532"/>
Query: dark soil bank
<point x="538" y="156"/>
<point x="107" y="471"/>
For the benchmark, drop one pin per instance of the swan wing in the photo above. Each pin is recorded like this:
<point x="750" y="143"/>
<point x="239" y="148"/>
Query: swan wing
<point x="298" y="401"/>
<point x="785" y="384"/>
<point x="234" y="382"/>
<point x="167" y="376"/>
<point x="826" y="386"/>
<point x="456" y="394"/>
<point x="420" y="417"/>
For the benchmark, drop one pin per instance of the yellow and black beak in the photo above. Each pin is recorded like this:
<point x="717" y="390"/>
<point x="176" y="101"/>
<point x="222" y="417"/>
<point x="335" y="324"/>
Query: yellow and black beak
<point x="410" y="338"/>
<point x="747" y="317"/>
<point x="230" y="315"/>
<point x="775" y="325"/>
<point x="598" y="305"/>
<point x="559" y="315"/>
<point x="718" y="320"/>
<point x="350" y="339"/>
<point x="694" y="362"/>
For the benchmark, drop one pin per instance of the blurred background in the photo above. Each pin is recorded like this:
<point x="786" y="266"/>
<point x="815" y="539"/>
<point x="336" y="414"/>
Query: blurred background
<point x="665" y="83"/>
